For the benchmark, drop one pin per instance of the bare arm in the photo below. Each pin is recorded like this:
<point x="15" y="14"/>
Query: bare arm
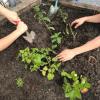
<point x="68" y="54"/>
<point x="3" y="11"/>
<point x="95" y="43"/>
<point x="8" y="40"/>
<point x="93" y="19"/>
<point x="10" y="15"/>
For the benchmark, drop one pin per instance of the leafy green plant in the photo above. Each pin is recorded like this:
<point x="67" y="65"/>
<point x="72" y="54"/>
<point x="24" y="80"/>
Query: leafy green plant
<point x="41" y="15"/>
<point x="40" y="59"/>
<point x="50" y="70"/>
<point x="34" y="57"/>
<point x="73" y="84"/>
<point x="19" y="82"/>
<point x="56" y="40"/>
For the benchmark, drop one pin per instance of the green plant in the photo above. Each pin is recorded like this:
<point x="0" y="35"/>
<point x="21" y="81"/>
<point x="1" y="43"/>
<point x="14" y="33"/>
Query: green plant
<point x="41" y="15"/>
<point x="19" y="82"/>
<point x="69" y="31"/>
<point x="50" y="70"/>
<point x="73" y="84"/>
<point x="34" y="57"/>
<point x="50" y="27"/>
<point x="40" y="59"/>
<point x="56" y="40"/>
<point x="63" y="15"/>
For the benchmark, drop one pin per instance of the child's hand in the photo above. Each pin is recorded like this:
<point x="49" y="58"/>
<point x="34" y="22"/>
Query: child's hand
<point x="21" y="27"/>
<point x="78" y="22"/>
<point x="12" y="17"/>
<point x="66" y="55"/>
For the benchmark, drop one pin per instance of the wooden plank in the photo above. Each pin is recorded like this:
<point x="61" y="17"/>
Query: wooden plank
<point x="70" y="3"/>
<point x="22" y="7"/>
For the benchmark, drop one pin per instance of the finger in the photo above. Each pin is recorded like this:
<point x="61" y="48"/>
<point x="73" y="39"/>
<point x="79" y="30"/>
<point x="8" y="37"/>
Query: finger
<point x="59" y="55"/>
<point x="73" y="23"/>
<point x="65" y="60"/>
<point x="13" y="22"/>
<point x="16" y="22"/>
<point x="77" y="25"/>
<point x="62" y="60"/>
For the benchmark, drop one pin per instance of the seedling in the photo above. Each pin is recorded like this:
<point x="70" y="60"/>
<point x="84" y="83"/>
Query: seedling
<point x="56" y="40"/>
<point x="69" y="31"/>
<point x="41" y="15"/>
<point x="19" y="82"/>
<point x="50" y="27"/>
<point x="63" y="15"/>
<point x="73" y="85"/>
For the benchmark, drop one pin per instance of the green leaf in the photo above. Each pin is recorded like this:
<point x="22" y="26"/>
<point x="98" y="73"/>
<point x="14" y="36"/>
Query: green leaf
<point x="54" y="59"/>
<point x="45" y="68"/>
<point x="50" y="76"/>
<point x="54" y="46"/>
<point x="44" y="73"/>
<point x="51" y="28"/>
<point x="59" y="40"/>
<point x="34" y="68"/>
<point x="65" y="74"/>
<point x="46" y="19"/>
<point x="84" y="83"/>
<point x="53" y="70"/>
<point x="50" y="71"/>
<point x="74" y="75"/>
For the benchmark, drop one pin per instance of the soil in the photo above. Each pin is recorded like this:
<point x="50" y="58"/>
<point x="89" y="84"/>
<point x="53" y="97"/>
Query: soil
<point x="37" y="87"/>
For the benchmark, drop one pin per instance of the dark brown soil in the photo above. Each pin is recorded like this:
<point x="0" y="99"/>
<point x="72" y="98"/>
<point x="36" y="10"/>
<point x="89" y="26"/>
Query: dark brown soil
<point x="37" y="87"/>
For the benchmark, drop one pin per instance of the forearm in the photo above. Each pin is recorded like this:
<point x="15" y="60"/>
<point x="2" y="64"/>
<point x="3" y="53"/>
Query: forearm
<point x="3" y="11"/>
<point x="93" y="19"/>
<point x="8" y="40"/>
<point x="95" y="43"/>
